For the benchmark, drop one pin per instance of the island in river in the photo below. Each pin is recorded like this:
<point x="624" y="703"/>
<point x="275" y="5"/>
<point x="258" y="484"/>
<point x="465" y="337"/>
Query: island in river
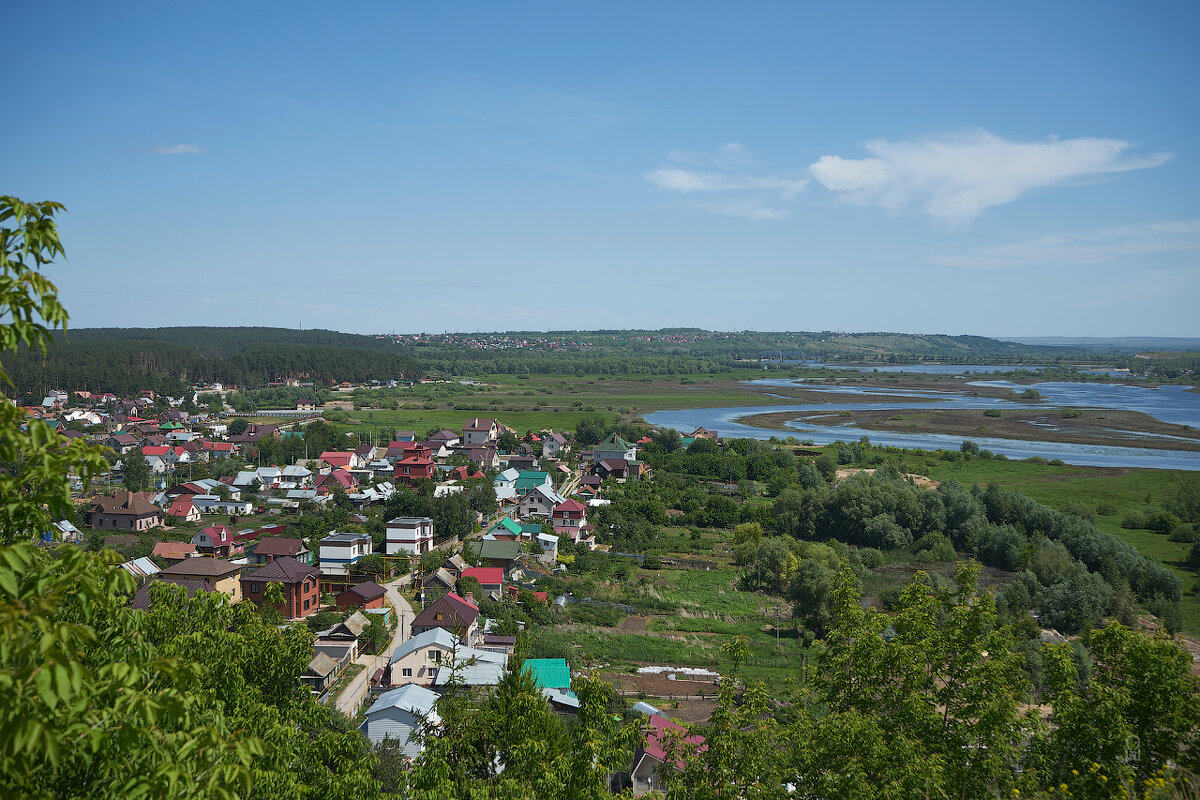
<point x="1093" y="426"/>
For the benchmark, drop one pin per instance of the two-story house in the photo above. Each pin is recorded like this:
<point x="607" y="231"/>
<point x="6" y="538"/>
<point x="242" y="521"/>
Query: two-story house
<point x="480" y="432"/>
<point x="126" y="511"/>
<point x="338" y="551"/>
<point x="409" y="535"/>
<point x="298" y="581"/>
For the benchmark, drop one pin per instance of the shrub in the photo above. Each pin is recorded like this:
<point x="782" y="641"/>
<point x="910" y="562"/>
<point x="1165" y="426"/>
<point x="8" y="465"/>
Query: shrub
<point x="993" y="412"/>
<point x="1069" y="413"/>
<point x="1106" y="509"/>
<point x="1134" y="521"/>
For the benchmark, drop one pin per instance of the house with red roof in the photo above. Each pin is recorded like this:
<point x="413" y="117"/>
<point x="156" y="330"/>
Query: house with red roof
<point x="569" y="517"/>
<point x="415" y="466"/>
<point x="174" y="551"/>
<point x="184" y="510"/>
<point x="342" y="459"/>
<point x="667" y="746"/>
<point x="218" y="540"/>
<point x="491" y="579"/>
<point x="218" y="449"/>
<point x="339" y="477"/>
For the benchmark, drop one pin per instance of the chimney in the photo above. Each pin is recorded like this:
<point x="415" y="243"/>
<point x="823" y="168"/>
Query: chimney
<point x="470" y="598"/>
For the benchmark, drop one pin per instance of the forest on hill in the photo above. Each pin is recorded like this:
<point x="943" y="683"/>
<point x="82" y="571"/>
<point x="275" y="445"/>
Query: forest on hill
<point x="169" y="360"/>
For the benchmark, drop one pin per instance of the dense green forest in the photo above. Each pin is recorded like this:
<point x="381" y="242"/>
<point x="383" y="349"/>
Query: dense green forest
<point x="165" y="360"/>
<point x="169" y="360"/>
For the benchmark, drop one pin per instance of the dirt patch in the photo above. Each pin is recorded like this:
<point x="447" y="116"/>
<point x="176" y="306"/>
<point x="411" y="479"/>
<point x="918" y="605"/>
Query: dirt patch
<point x="661" y="685"/>
<point x="918" y="480"/>
<point x="633" y="624"/>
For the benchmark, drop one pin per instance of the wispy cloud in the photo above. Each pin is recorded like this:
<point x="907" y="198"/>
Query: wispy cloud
<point x="743" y="194"/>
<point x="178" y="149"/>
<point x="954" y="178"/>
<point x="1103" y="245"/>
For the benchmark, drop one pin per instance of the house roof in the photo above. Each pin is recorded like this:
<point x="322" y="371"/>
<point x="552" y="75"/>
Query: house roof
<point x="142" y="600"/>
<point x="366" y="591"/>
<point x="570" y="506"/>
<point x="454" y="611"/>
<point x="472" y="673"/>
<point x="123" y="502"/>
<point x="412" y="698"/>
<point x="614" y="442"/>
<point x="549" y="673"/>
<point x="508" y="551"/>
<point x="659" y="734"/>
<point x="202" y="567"/>
<point x="509" y="525"/>
<point x="173" y="550"/>
<point x="221" y="536"/>
<point x="340" y="476"/>
<point x="477" y="424"/>
<point x="181" y="507"/>
<point x="487" y="576"/>
<point x="140" y="567"/>
<point x="279" y="546"/>
<point x="284" y="569"/>
<point x="321" y="665"/>
<point x="434" y="636"/>
<point x="440" y="575"/>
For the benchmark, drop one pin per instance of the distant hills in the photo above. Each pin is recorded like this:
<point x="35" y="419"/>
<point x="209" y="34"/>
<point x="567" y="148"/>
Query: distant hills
<point x="1114" y="344"/>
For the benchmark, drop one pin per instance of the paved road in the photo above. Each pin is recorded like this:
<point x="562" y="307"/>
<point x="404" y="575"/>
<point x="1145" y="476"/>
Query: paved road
<point x="350" y="698"/>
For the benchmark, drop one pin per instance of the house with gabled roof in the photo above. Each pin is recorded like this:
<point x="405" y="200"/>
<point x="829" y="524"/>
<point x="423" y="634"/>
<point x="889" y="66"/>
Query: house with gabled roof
<point x="221" y="574"/>
<point x="555" y="445"/>
<point x="217" y="540"/>
<point x="456" y="614"/>
<point x="365" y="596"/>
<point x="174" y="551"/>
<point x="339" y="478"/>
<point x="298" y="581"/>
<point x="539" y="501"/>
<point x="400" y="714"/>
<point x="480" y="432"/>
<point x="652" y="758"/>
<point x="128" y="511"/>
<point x="269" y="548"/>
<point x="183" y="509"/>
<point x="491" y="580"/>
<point x="496" y="553"/>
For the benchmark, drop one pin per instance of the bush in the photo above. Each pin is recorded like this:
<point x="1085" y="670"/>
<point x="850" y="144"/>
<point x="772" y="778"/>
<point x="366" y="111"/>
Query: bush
<point x="652" y="562"/>
<point x="993" y="412"/>
<point x="1069" y="413"/>
<point x="870" y="558"/>
<point x="1134" y="521"/>
<point x="1106" y="509"/>
<point x="1186" y="534"/>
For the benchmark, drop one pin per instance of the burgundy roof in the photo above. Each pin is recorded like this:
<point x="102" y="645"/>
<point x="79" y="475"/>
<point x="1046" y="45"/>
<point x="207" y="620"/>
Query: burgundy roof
<point x="283" y="570"/>
<point x="454" y="610"/>
<point x="141" y="600"/>
<point x="657" y="737"/>
<point x="367" y="591"/>
<point x="570" y="505"/>
<point x="203" y="567"/>
<point x="278" y="546"/>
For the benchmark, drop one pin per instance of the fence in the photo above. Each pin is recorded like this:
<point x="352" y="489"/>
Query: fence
<point x="587" y="601"/>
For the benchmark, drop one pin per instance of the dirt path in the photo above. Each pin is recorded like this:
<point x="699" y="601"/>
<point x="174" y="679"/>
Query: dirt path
<point x="352" y="696"/>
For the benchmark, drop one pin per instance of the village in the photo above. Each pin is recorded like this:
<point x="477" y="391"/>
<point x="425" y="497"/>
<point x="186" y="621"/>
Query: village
<point x="398" y="615"/>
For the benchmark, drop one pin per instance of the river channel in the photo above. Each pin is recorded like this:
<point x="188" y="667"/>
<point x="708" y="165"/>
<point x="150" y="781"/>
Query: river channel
<point x="1173" y="404"/>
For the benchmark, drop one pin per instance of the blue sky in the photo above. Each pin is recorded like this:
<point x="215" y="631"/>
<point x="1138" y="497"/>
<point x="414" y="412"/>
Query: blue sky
<point x="999" y="169"/>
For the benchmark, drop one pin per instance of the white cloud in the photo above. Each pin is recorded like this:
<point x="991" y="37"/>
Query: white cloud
<point x="1103" y="245"/>
<point x="954" y="178"/>
<point x="742" y="194"/>
<point x="178" y="149"/>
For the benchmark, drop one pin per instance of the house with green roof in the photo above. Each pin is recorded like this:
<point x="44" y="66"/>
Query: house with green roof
<point x="614" y="447"/>
<point x="505" y="527"/>
<point x="529" y="480"/>
<point x="548" y="673"/>
<point x="496" y="552"/>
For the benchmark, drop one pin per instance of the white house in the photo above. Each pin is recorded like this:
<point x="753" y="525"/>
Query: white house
<point x="549" y="544"/>
<point x="409" y="535"/>
<point x="479" y="432"/>
<point x="539" y="501"/>
<point x="399" y="714"/>
<point x="339" y="550"/>
<point x="419" y="659"/>
<point x="554" y="445"/>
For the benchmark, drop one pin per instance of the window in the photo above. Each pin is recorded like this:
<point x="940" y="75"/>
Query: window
<point x="407" y="672"/>
<point x="254" y="588"/>
<point x="435" y="656"/>
<point x="306" y="602"/>
<point x="439" y="616"/>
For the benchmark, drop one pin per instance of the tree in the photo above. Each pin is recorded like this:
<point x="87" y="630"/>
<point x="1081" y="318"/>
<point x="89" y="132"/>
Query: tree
<point x="104" y="701"/>
<point x="135" y="472"/>
<point x="238" y="426"/>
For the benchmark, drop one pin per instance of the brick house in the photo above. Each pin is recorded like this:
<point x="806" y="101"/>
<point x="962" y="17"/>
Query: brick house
<point x="298" y="581"/>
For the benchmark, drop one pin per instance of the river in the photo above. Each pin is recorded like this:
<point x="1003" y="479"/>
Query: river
<point x="1173" y="404"/>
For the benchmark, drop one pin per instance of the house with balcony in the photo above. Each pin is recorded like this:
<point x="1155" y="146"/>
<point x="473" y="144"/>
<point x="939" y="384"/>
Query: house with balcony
<point x="412" y="535"/>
